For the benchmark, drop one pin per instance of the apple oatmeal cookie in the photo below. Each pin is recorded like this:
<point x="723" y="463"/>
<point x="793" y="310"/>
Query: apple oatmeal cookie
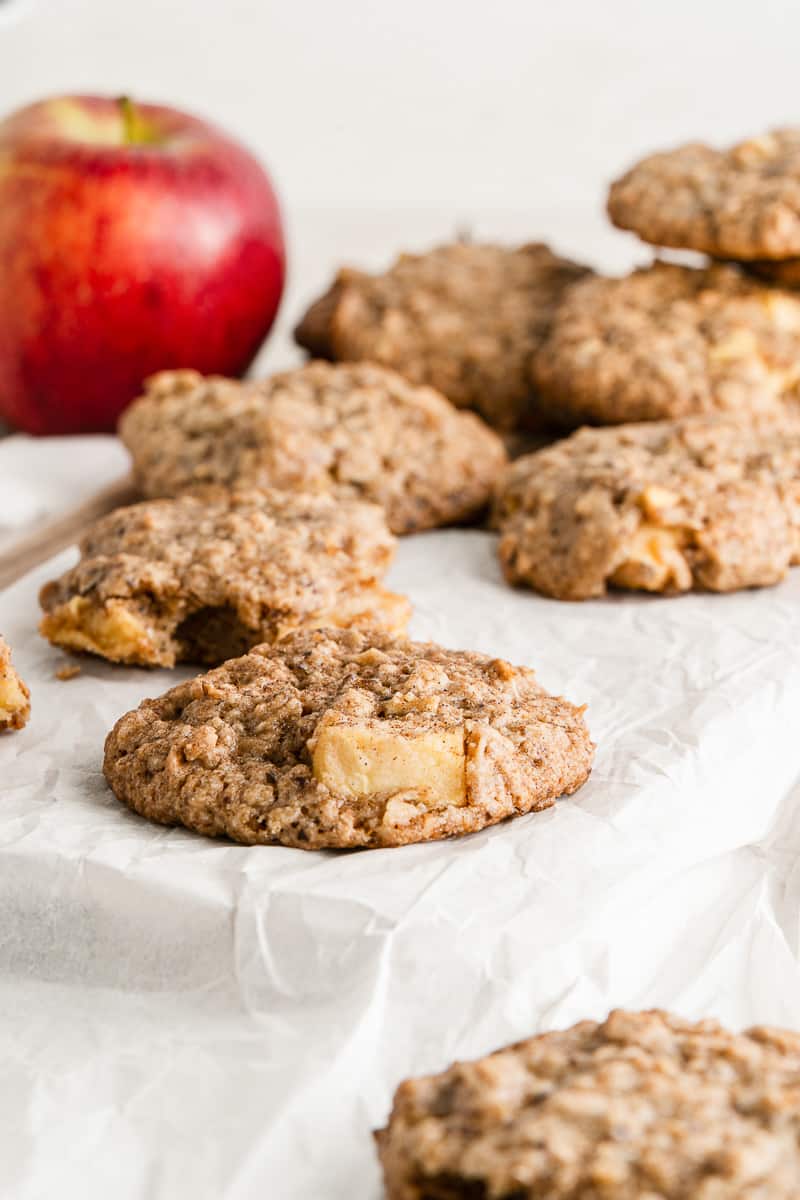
<point x="740" y="203"/>
<point x="641" y="1106"/>
<point x="345" y="739"/>
<point x="200" y="579"/>
<point x="358" y="432"/>
<point x="464" y="318"/>
<point x="670" y="341"/>
<point x="665" y="506"/>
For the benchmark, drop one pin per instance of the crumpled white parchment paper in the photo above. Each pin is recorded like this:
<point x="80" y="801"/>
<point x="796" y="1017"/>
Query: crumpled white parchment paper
<point x="183" y="1018"/>
<point x="42" y="478"/>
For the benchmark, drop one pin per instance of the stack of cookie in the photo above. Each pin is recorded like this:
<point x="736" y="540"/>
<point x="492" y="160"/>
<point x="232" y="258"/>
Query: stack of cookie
<point x="705" y="496"/>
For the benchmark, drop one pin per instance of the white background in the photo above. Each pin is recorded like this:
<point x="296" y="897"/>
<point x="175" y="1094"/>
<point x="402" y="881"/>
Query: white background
<point x="389" y="123"/>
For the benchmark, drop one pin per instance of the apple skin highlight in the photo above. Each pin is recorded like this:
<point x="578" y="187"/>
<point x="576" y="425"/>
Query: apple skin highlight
<point x="130" y="241"/>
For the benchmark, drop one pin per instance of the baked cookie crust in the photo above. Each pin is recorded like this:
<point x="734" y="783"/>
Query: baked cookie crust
<point x="704" y="503"/>
<point x="644" y="1106"/>
<point x="346" y="739"/>
<point x="464" y="318"/>
<point x="202" y="579"/>
<point x="739" y="203"/>
<point x="669" y="341"/>
<point x="356" y="431"/>
<point x="15" y="705"/>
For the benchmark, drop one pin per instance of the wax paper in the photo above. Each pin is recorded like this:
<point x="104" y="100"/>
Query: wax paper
<point x="188" y="1018"/>
<point x="41" y="482"/>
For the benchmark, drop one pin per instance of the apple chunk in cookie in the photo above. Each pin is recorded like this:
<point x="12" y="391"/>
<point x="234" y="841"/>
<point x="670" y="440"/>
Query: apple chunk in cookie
<point x="345" y="739"/>
<point x="373" y="757"/>
<point x="201" y="579"/>
<point x="14" y="696"/>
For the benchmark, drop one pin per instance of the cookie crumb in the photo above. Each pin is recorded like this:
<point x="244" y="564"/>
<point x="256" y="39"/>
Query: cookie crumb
<point x="68" y="671"/>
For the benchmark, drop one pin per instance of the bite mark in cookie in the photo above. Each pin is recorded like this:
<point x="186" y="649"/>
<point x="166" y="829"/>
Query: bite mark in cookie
<point x="334" y="739"/>
<point x="464" y="318"/>
<point x="203" y="579"/>
<point x="670" y="341"/>
<point x="741" y="203"/>
<point x="14" y="695"/>
<point x="707" y="503"/>
<point x="643" y="1106"/>
<point x="356" y="432"/>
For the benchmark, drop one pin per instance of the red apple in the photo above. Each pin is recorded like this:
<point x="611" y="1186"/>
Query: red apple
<point x="132" y="238"/>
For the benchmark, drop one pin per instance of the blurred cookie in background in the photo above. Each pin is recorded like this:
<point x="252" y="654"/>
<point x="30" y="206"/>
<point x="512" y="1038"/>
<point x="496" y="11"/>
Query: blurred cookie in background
<point x="669" y="341"/>
<point x="464" y="318"/>
<point x="356" y="431"/>
<point x="704" y="503"/>
<point x="740" y="203"/>
<point x="641" y="1106"/>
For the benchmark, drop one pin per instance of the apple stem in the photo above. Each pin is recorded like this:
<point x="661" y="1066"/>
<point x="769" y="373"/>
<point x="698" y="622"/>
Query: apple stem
<point x="133" y="130"/>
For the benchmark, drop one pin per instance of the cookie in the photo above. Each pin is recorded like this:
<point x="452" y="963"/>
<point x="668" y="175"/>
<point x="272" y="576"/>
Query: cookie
<point x="463" y="318"/>
<point x="202" y="579"/>
<point x="345" y="739"/>
<point x="740" y="203"/>
<point x="669" y="341"/>
<point x="643" y="1106"/>
<point x="313" y="331"/>
<point x="358" y="432"/>
<point x="15" y="705"/>
<point x="666" y="506"/>
<point x="784" y="274"/>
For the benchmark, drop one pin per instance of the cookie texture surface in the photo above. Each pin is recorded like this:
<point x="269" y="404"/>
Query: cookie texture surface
<point x="463" y="318"/>
<point x="348" y="739"/>
<point x="356" y="431"/>
<point x="645" y="1106"/>
<point x="670" y="341"/>
<point x="15" y="705"/>
<point x="739" y="203"/>
<point x="204" y="579"/>
<point x="707" y="503"/>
